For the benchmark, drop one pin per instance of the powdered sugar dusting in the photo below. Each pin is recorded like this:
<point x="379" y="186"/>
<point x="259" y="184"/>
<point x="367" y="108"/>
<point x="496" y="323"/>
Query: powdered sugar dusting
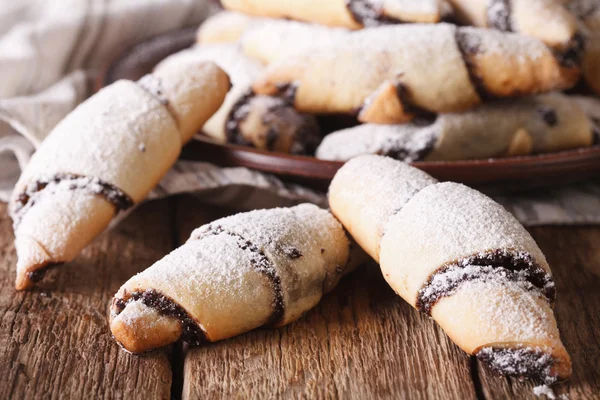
<point x="520" y="48"/>
<point x="406" y="142"/>
<point x="369" y="190"/>
<point x="154" y="85"/>
<point x="273" y="39"/>
<point x="228" y="56"/>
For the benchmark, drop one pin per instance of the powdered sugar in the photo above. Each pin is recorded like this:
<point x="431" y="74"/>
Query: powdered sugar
<point x="268" y="261"/>
<point x="406" y="142"/>
<point x="153" y="85"/>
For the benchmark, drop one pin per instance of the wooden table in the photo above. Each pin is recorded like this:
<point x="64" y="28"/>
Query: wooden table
<point x="361" y="342"/>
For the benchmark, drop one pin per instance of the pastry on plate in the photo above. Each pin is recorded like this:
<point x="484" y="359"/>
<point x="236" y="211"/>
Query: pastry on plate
<point x="225" y="27"/>
<point x="390" y="74"/>
<point x="266" y="39"/>
<point x="264" y="122"/>
<point x="548" y="20"/>
<point x="261" y="268"/>
<point x="353" y="14"/>
<point x="588" y="12"/>
<point x="533" y="125"/>
<point x="459" y="257"/>
<point x="105" y="157"/>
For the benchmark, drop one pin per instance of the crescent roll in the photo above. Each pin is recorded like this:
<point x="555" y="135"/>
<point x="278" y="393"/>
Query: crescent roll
<point x="389" y="74"/>
<point x="265" y="267"/>
<point x="459" y="257"/>
<point x="548" y="20"/>
<point x="265" y="122"/>
<point x="352" y="14"/>
<point x="105" y="157"/>
<point x="533" y="125"/>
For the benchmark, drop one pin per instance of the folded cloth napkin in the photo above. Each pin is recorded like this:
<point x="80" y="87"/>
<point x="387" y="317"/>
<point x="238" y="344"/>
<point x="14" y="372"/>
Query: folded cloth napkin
<point x="51" y="50"/>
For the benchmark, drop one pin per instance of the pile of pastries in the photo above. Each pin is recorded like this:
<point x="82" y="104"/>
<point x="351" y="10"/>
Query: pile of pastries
<point x="431" y="80"/>
<point x="451" y="252"/>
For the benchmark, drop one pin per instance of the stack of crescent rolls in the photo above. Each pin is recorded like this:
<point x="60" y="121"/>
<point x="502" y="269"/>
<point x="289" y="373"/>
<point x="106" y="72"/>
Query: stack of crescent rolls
<point x="420" y="87"/>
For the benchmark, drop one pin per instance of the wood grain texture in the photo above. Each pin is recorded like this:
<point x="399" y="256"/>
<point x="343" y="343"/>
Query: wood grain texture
<point x="574" y="256"/>
<point x="55" y="341"/>
<point x="362" y="341"/>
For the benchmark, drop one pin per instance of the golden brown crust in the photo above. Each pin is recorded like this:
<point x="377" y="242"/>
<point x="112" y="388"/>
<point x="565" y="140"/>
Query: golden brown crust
<point x="265" y="267"/>
<point x="224" y="27"/>
<point x="433" y="68"/>
<point x="455" y="254"/>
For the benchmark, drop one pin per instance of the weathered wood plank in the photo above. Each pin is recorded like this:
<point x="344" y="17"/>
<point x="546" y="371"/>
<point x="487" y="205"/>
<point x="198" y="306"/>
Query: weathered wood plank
<point x="361" y="342"/>
<point x="574" y="255"/>
<point x="55" y="341"/>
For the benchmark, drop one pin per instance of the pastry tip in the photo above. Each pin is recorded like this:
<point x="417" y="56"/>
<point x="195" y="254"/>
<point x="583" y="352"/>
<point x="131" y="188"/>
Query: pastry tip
<point x="32" y="259"/>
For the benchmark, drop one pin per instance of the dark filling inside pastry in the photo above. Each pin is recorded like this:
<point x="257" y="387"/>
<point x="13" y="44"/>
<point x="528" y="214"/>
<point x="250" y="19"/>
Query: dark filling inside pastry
<point x="525" y="362"/>
<point x="572" y="55"/>
<point x="119" y="199"/>
<point x="499" y="15"/>
<point x="280" y="118"/>
<point x="191" y="331"/>
<point x="416" y="148"/>
<point x="239" y="112"/>
<point x="497" y="265"/>
<point x="548" y="114"/>
<point x="368" y="13"/>
<point x="262" y="264"/>
<point x="468" y="46"/>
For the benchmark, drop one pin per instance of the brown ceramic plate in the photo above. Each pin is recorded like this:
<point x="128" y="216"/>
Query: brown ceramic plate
<point x="492" y="175"/>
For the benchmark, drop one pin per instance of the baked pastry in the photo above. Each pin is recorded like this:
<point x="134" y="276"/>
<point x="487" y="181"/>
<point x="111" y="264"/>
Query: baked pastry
<point x="266" y="39"/>
<point x="353" y="14"/>
<point x="532" y="125"/>
<point x="265" y="122"/>
<point x="459" y="257"/>
<point x="265" y="267"/>
<point x="588" y="12"/>
<point x="105" y="157"/>
<point x="391" y="73"/>
<point x="273" y="39"/>
<point x="225" y="27"/>
<point x="548" y="20"/>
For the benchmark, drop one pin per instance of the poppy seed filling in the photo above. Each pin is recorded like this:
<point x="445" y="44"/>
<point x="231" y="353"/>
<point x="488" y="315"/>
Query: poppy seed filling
<point x="191" y="331"/>
<point x="524" y="362"/>
<point x="64" y="181"/>
<point x="499" y="265"/>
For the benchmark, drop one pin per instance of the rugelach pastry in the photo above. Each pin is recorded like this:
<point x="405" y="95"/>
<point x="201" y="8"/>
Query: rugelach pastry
<point x="104" y="158"/>
<point x="548" y="20"/>
<point x="265" y="122"/>
<point x="390" y="74"/>
<point x="353" y="14"/>
<point x="459" y="257"/>
<point x="533" y="125"/>
<point x="261" y="268"/>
